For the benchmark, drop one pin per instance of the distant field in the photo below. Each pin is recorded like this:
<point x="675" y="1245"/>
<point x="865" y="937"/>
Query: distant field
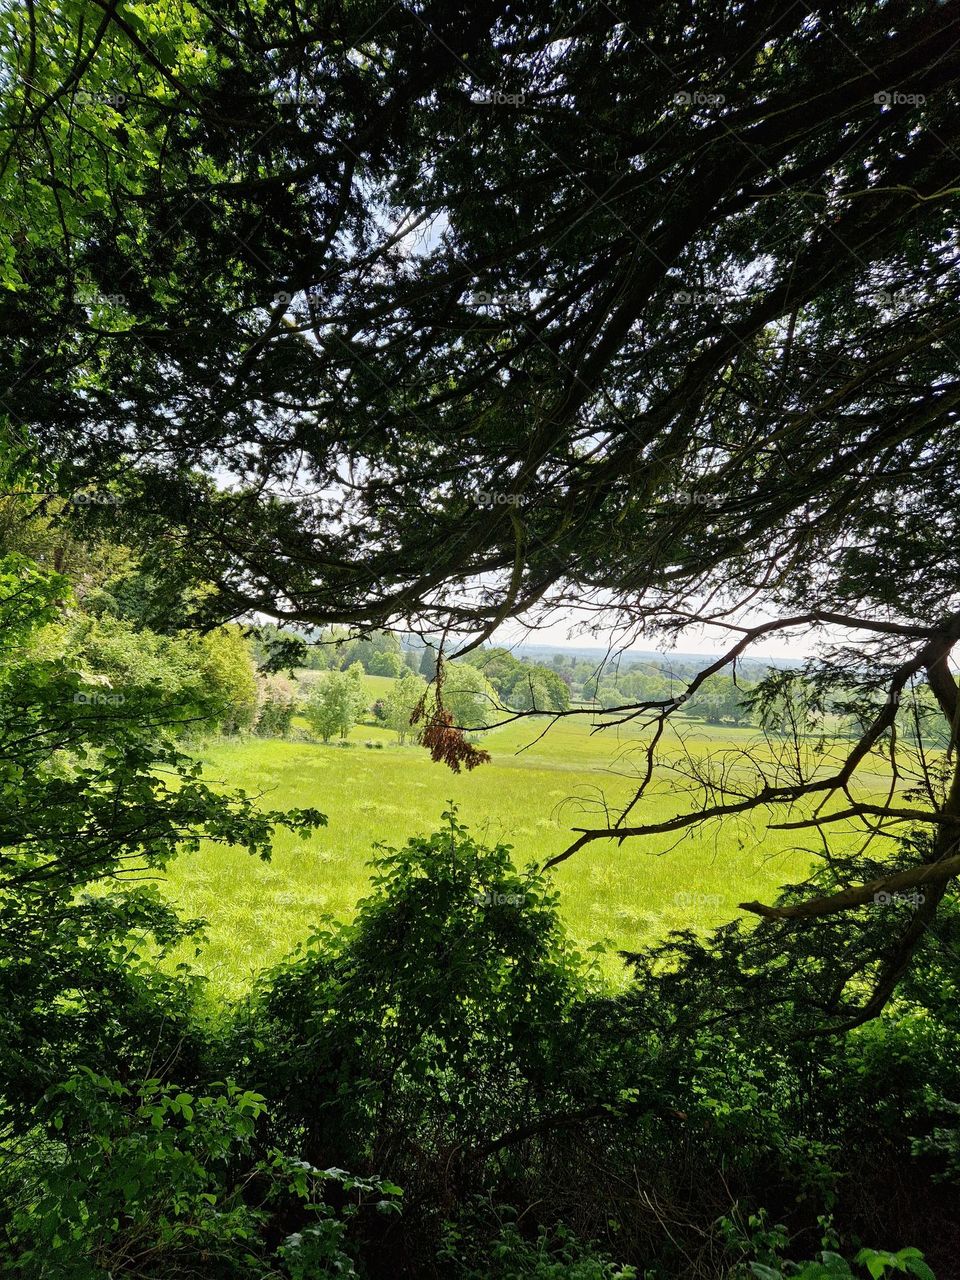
<point x="529" y="797"/>
<point x="376" y="686"/>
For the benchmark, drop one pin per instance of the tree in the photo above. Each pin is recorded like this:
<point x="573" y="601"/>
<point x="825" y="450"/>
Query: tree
<point x="640" y="684"/>
<point x="525" y="685"/>
<point x="385" y="664"/>
<point x="537" y="688"/>
<point x="498" y="665"/>
<point x="226" y="675"/>
<point x="716" y="256"/>
<point x="335" y="703"/>
<point x="720" y="701"/>
<point x="590" y="686"/>
<point x="405" y="692"/>
<point x="705" y="364"/>
<point x="94" y="792"/>
<point x="607" y="694"/>
<point x="378" y="654"/>
<point x="428" y="662"/>
<point x="468" y="696"/>
<point x="206" y="684"/>
<point x="452" y="1045"/>
<point x="276" y="706"/>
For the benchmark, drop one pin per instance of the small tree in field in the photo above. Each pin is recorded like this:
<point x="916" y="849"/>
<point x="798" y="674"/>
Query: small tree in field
<point x="537" y="688"/>
<point x="469" y="696"/>
<point x="335" y="703"/>
<point x="404" y="695"/>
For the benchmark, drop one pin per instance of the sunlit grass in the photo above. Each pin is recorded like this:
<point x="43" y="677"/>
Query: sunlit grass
<point x="529" y="796"/>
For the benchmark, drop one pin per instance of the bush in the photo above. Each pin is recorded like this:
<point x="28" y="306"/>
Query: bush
<point x="153" y="1181"/>
<point x="277" y="704"/>
<point x="190" y="683"/>
<point x="433" y="1028"/>
<point x="557" y="1255"/>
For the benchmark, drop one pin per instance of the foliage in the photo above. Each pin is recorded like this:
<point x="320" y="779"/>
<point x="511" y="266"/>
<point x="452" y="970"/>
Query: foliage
<point x="335" y="702"/>
<point x="556" y="1255"/>
<point x="204" y="684"/>
<point x="225" y="668"/>
<point x="501" y="1066"/>
<point x="762" y="1247"/>
<point x="401" y="702"/>
<point x="721" y="700"/>
<point x="370" y="1050"/>
<point x="155" y="1181"/>
<point x="283" y="325"/>
<point x="385" y="664"/>
<point x="633" y="373"/>
<point x="94" y="794"/>
<point x="876" y="1263"/>
<point x="277" y="704"/>
<point x="524" y="685"/>
<point x="468" y="696"/>
<point x="378" y="654"/>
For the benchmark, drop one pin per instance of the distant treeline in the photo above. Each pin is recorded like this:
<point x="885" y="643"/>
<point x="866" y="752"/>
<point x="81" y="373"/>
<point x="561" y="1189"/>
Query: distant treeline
<point x="761" y="694"/>
<point x="227" y="681"/>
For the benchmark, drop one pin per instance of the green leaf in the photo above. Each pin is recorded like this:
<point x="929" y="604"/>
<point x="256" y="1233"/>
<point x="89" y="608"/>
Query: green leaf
<point x="917" y="1267"/>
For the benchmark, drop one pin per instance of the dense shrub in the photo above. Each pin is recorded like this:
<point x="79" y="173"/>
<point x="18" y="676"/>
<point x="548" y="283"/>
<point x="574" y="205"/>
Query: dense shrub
<point x="154" y="1182"/>
<point x="192" y="684"/>
<point x="276" y="706"/>
<point x="556" y="1255"/>
<point x="424" y="1037"/>
<point x="453" y="1037"/>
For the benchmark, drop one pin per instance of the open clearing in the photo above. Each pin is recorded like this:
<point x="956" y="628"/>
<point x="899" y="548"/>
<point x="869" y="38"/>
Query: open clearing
<point x="529" y="797"/>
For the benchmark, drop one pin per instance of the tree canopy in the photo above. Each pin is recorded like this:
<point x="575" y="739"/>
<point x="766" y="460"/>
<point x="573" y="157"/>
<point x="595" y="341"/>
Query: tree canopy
<point x="333" y="321"/>
<point x="375" y="316"/>
<point x="694" y="303"/>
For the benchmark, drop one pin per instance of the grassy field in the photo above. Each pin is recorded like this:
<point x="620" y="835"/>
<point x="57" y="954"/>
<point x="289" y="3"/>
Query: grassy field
<point x="529" y="796"/>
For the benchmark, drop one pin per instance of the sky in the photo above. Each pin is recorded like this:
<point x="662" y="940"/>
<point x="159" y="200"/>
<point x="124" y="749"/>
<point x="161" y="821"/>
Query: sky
<point x="711" y="641"/>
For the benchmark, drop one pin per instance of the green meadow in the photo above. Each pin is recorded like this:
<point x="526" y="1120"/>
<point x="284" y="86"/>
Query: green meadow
<point x="530" y="796"/>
